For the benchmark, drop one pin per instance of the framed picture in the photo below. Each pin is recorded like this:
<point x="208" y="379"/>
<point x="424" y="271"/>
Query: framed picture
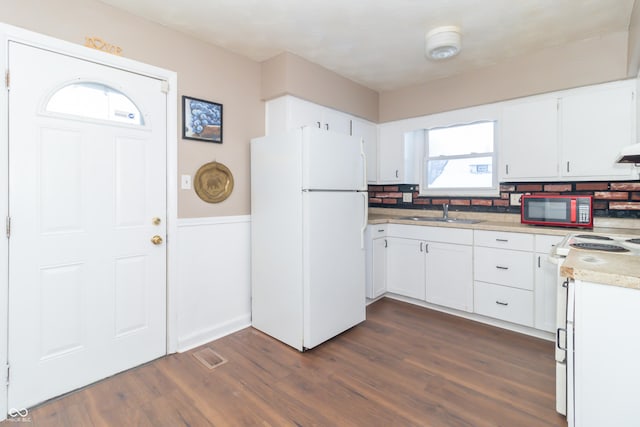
<point x="201" y="120"/>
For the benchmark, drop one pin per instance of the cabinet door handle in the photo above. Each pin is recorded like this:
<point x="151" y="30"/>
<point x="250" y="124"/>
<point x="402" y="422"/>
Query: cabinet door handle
<point x="538" y="261"/>
<point x="506" y="167"/>
<point x="385" y="243"/>
<point x="351" y="127"/>
<point x="326" y="126"/>
<point x="558" y="339"/>
<point x="319" y="125"/>
<point x="502" y="240"/>
<point x="380" y="230"/>
<point x="426" y="247"/>
<point x="568" y="167"/>
<point x="565" y="284"/>
<point x="396" y="173"/>
<point x="420" y="246"/>
<point x="499" y="267"/>
<point x="502" y="303"/>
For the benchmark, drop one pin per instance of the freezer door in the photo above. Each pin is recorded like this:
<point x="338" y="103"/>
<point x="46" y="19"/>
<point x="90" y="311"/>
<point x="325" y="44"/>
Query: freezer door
<point x="332" y="161"/>
<point x="333" y="263"/>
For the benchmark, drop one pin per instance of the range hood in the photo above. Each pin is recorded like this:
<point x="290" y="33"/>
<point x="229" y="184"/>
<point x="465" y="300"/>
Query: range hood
<point x="629" y="154"/>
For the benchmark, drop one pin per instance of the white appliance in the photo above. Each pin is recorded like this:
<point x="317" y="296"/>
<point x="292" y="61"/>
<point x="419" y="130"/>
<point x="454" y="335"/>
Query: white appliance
<point x="308" y="217"/>
<point x="564" y="355"/>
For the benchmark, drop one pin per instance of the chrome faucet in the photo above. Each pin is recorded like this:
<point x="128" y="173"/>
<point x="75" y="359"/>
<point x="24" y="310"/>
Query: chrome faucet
<point x="445" y="211"/>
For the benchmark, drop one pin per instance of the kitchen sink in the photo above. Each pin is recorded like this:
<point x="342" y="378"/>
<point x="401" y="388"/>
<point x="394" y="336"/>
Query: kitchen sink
<point x="439" y="219"/>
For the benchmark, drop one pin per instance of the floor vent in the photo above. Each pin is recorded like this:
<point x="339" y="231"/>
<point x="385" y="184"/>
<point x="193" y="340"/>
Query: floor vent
<point x="209" y="358"/>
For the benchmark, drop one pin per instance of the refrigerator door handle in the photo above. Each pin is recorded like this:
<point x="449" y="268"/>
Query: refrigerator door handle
<point x="364" y="164"/>
<point x="365" y="218"/>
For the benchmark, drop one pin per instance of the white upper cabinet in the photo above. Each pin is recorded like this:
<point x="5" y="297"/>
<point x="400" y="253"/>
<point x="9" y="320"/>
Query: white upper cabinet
<point x="400" y="151"/>
<point x="288" y="112"/>
<point x="596" y="122"/>
<point x="530" y="139"/>
<point x="391" y="153"/>
<point x="570" y="135"/>
<point x="334" y="121"/>
<point x="369" y="133"/>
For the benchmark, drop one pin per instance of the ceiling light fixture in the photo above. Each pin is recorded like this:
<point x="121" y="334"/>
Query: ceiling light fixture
<point x="443" y="42"/>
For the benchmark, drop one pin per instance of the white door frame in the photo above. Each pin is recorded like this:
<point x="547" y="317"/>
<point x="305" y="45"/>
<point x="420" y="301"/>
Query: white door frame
<point x="10" y="33"/>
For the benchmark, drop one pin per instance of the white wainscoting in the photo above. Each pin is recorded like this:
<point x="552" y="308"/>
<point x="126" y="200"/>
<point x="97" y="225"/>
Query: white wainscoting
<point x="214" y="278"/>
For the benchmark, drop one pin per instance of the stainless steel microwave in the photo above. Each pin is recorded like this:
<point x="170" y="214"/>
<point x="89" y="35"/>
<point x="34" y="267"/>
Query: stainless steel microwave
<point x="557" y="211"/>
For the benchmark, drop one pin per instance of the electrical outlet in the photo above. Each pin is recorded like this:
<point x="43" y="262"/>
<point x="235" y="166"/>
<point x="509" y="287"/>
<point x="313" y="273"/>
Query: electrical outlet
<point x="514" y="199"/>
<point x="185" y="182"/>
<point x="407" y="197"/>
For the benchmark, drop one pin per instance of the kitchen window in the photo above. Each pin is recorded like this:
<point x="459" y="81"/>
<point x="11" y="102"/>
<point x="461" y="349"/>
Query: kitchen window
<point x="460" y="160"/>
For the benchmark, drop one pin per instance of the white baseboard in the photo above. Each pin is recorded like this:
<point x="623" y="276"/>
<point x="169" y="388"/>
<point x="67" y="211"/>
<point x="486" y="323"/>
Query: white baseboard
<point x="476" y="317"/>
<point x="204" y="336"/>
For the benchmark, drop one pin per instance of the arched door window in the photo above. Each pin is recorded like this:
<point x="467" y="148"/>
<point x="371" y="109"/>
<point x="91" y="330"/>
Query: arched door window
<point x="95" y="101"/>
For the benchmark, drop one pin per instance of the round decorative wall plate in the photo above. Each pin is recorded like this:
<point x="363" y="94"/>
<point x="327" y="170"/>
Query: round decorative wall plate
<point x="213" y="182"/>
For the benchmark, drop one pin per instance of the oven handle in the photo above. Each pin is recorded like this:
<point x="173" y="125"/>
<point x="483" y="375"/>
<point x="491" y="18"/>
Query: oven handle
<point x="558" y="339"/>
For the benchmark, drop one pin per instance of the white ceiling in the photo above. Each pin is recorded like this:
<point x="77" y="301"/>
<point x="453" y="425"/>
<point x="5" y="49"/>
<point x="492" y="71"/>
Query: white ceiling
<point x="380" y="43"/>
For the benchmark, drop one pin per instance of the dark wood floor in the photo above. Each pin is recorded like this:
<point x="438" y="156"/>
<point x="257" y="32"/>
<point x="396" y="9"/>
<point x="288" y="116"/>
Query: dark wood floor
<point x="405" y="366"/>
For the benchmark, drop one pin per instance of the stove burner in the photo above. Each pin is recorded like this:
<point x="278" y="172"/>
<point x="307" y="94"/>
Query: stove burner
<point x="593" y="237"/>
<point x="634" y="241"/>
<point x="599" y="247"/>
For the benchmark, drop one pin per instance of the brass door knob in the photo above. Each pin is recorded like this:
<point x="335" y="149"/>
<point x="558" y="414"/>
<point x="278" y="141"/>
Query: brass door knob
<point x="156" y="240"/>
<point x="156" y="221"/>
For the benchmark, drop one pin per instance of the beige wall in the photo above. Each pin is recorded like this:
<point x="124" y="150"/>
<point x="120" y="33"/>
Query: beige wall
<point x="576" y="64"/>
<point x="204" y="71"/>
<point x="290" y="74"/>
<point x="633" y="63"/>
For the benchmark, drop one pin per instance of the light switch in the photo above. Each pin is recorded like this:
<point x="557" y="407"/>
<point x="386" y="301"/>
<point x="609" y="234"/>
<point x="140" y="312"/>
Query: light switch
<point x="514" y="199"/>
<point x="185" y="182"/>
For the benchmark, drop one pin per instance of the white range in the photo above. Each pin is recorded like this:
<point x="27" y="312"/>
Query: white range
<point x="625" y="245"/>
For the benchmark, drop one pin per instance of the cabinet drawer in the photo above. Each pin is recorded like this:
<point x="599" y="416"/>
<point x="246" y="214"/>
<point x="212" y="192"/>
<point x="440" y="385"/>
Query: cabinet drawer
<point x="504" y="267"/>
<point x="502" y="302"/>
<point x="503" y="240"/>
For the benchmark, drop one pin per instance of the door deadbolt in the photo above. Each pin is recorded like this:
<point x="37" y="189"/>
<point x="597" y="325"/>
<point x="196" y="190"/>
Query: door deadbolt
<point x="156" y="221"/>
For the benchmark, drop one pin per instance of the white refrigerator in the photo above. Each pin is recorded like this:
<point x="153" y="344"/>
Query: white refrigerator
<point x="309" y="208"/>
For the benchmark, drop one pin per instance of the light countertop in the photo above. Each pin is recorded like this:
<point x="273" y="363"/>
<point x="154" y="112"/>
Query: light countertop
<point x="500" y="222"/>
<point x="602" y="267"/>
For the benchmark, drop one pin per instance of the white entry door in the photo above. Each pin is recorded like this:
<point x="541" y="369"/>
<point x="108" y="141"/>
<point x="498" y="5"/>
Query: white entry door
<point x="87" y="195"/>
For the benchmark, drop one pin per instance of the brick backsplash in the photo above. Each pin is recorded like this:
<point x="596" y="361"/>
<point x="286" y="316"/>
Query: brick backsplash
<point x="611" y="199"/>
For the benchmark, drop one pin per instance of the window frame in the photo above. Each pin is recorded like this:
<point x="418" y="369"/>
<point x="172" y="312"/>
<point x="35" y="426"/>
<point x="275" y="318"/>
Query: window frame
<point x="492" y="191"/>
<point x="45" y="111"/>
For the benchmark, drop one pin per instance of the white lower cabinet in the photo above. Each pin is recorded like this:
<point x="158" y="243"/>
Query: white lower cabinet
<point x="503" y="276"/>
<point x="504" y="267"/>
<point x="376" y="260"/>
<point x="503" y="302"/>
<point x="545" y="283"/>
<point x="449" y="275"/>
<point x="434" y="265"/>
<point x="406" y="267"/>
<point x="379" y="271"/>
